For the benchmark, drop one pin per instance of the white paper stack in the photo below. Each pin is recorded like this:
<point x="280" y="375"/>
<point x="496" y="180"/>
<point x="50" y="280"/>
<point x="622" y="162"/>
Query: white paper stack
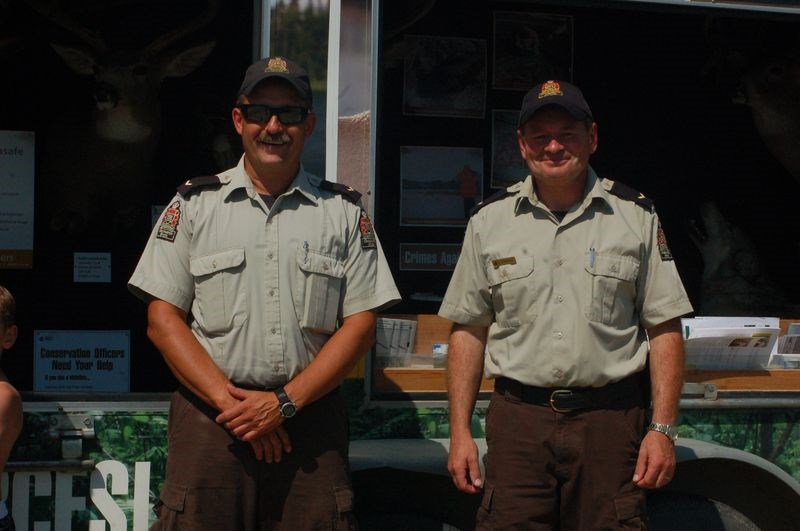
<point x="730" y="343"/>
<point x="394" y="341"/>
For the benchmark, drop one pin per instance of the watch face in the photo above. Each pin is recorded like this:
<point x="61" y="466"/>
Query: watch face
<point x="288" y="410"/>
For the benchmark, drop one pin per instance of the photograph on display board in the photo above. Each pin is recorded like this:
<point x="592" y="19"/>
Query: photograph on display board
<point x="439" y="185"/>
<point x="508" y="166"/>
<point x="530" y="48"/>
<point x="444" y="76"/>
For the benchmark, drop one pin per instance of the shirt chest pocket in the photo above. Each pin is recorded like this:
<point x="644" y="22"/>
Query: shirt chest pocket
<point x="319" y="290"/>
<point x="511" y="285"/>
<point x="611" y="288"/>
<point x="220" y="298"/>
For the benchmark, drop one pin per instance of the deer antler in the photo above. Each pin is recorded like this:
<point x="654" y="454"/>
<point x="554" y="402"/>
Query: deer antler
<point x="51" y="11"/>
<point x="166" y="40"/>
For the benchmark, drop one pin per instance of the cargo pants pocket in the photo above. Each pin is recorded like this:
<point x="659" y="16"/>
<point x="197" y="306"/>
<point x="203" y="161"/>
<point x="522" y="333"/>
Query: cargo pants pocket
<point x="345" y="518"/>
<point x="181" y="507"/>
<point x="631" y="511"/>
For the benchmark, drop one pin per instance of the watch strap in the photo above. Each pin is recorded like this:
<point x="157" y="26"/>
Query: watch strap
<point x="667" y="429"/>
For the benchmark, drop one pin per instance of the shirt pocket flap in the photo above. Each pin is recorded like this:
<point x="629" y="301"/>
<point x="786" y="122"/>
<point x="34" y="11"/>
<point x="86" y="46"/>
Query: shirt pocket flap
<point x="205" y="265"/>
<point x="615" y="266"/>
<point x="317" y="262"/>
<point x="504" y="269"/>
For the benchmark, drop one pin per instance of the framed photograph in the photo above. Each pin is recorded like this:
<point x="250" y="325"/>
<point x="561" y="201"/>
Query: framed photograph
<point x="439" y="185"/>
<point x="444" y="76"/>
<point x="530" y="48"/>
<point x="508" y="166"/>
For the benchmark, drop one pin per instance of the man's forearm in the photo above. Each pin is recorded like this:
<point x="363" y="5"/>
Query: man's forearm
<point x="185" y="356"/>
<point x="667" y="362"/>
<point x="464" y="373"/>
<point x="336" y="359"/>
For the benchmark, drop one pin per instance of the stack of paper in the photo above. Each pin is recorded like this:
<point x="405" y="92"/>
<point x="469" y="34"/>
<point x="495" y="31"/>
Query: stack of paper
<point x="730" y="343"/>
<point x="394" y="341"/>
<point x="788" y="356"/>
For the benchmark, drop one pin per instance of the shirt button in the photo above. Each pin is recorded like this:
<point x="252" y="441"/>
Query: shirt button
<point x="269" y="255"/>
<point x="272" y="293"/>
<point x="614" y="267"/>
<point x="559" y="374"/>
<point x="214" y="264"/>
<point x="559" y="262"/>
<point x="325" y="267"/>
<point x="559" y="298"/>
<point x="274" y="331"/>
<point x="558" y="335"/>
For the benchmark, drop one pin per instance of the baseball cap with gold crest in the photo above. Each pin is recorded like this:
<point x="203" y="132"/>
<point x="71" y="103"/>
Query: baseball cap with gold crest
<point x="279" y="67"/>
<point x="561" y="93"/>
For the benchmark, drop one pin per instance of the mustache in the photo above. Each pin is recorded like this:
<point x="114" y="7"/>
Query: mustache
<point x="280" y="138"/>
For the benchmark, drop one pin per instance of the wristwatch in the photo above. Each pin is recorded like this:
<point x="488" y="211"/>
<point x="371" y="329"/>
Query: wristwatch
<point x="667" y="429"/>
<point x="286" y="407"/>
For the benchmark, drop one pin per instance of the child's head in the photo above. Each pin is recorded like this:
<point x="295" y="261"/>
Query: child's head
<point x="8" y="319"/>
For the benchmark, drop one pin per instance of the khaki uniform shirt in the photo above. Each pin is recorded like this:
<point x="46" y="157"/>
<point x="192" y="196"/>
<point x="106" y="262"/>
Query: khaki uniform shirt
<point x="566" y="302"/>
<point x="265" y="286"/>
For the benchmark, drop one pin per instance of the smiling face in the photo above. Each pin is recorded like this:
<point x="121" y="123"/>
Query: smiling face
<point x="273" y="149"/>
<point x="556" y="147"/>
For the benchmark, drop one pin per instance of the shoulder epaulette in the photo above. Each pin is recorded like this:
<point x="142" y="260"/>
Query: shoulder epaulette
<point x="491" y="199"/>
<point x="197" y="183"/>
<point x="342" y="189"/>
<point x="624" y="191"/>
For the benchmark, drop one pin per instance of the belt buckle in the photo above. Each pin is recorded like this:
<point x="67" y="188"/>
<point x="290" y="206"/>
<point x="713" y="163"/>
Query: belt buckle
<point x="554" y="395"/>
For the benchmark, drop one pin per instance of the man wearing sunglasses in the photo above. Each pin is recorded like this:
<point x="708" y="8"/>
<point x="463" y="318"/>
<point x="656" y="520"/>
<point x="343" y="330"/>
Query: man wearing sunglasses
<point x="562" y="279"/>
<point x="282" y="274"/>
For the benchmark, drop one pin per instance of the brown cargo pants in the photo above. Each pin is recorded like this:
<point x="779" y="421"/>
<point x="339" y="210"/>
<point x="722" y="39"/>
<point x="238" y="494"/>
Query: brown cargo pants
<point x="213" y="481"/>
<point x="572" y="471"/>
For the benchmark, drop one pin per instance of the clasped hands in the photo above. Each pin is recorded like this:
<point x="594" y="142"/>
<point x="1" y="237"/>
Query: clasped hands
<point x="256" y="419"/>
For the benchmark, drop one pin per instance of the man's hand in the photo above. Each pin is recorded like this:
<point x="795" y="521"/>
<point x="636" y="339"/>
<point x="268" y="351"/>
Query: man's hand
<point x="463" y="465"/>
<point x="272" y="446"/>
<point x="656" y="464"/>
<point x="255" y="416"/>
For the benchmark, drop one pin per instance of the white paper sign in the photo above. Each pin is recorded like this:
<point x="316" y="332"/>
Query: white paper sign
<point x="91" y="267"/>
<point x="82" y="360"/>
<point x="16" y="199"/>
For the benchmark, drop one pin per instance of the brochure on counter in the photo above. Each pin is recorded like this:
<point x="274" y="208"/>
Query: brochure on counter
<point x="730" y="343"/>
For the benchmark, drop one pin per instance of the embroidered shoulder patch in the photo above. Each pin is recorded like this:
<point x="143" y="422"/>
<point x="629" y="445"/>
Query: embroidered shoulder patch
<point x="168" y="229"/>
<point x="367" y="232"/>
<point x="663" y="249"/>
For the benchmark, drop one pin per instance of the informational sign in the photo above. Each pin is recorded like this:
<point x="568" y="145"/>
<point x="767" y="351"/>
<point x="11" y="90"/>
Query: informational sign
<point x="429" y="256"/>
<point x="91" y="267"/>
<point x="16" y="199"/>
<point x="82" y="360"/>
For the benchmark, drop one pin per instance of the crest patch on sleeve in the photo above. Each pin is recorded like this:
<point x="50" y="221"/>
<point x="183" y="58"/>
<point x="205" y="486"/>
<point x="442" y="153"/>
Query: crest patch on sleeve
<point x="663" y="249"/>
<point x="367" y="232"/>
<point x="168" y="229"/>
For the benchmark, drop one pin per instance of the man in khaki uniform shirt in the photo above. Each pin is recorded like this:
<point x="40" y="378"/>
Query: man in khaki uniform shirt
<point x="561" y="280"/>
<point x="282" y="273"/>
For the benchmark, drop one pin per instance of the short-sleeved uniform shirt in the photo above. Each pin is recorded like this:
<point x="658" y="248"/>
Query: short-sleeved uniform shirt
<point x="566" y="302"/>
<point x="265" y="286"/>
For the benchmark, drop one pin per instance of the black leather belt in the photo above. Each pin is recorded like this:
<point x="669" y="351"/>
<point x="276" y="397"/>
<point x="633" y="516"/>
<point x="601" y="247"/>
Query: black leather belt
<point x="623" y="394"/>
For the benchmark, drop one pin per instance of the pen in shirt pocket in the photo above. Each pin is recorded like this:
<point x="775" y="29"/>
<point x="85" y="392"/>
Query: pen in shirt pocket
<point x="592" y="253"/>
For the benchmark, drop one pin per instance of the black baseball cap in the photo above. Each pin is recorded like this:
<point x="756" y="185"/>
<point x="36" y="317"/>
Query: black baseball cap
<point x="561" y="93"/>
<point x="276" y="67"/>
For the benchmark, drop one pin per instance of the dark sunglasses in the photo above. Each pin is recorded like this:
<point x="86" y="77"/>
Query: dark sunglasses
<point x="263" y="113"/>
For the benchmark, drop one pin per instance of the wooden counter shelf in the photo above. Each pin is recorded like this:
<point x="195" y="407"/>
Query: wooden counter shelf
<point x="413" y="380"/>
<point x="771" y="380"/>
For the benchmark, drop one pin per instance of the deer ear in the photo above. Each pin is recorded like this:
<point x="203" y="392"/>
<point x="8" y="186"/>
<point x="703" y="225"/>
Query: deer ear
<point x="78" y="60"/>
<point x="187" y="61"/>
